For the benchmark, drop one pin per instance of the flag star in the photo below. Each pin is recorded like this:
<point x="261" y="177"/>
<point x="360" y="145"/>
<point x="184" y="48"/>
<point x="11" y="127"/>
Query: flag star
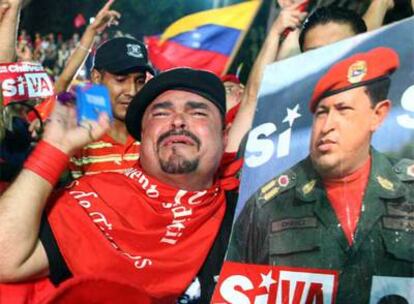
<point x="196" y="35"/>
<point x="292" y="115"/>
<point x="20" y="78"/>
<point x="196" y="39"/>
<point x="267" y="280"/>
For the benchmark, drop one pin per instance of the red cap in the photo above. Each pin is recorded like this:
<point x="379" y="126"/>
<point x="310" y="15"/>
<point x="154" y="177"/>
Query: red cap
<point x="355" y="71"/>
<point x="230" y="78"/>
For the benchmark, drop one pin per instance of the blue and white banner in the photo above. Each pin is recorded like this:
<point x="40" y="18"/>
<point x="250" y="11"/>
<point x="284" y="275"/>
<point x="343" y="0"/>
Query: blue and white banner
<point x="281" y="130"/>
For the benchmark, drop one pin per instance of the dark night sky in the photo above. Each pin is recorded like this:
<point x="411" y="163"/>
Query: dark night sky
<point x="139" y="17"/>
<point x="148" y="17"/>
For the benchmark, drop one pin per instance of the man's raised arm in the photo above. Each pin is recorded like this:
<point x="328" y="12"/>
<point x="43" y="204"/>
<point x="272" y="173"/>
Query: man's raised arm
<point x="22" y="255"/>
<point x="103" y="19"/>
<point x="9" y="21"/>
<point x="289" y="17"/>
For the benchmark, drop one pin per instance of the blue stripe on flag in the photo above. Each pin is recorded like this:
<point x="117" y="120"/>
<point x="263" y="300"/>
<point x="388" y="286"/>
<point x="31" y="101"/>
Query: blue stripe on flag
<point x="210" y="37"/>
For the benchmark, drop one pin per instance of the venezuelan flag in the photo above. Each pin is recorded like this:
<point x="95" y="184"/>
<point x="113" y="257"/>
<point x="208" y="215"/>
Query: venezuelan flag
<point x="204" y="40"/>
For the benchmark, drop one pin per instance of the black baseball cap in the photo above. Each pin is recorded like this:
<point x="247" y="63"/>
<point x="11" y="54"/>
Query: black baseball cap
<point x="200" y="82"/>
<point x="122" y="55"/>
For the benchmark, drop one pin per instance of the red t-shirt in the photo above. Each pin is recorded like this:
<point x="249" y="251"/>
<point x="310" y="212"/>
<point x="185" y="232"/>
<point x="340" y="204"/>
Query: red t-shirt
<point x="26" y="293"/>
<point x="105" y="155"/>
<point x="346" y="195"/>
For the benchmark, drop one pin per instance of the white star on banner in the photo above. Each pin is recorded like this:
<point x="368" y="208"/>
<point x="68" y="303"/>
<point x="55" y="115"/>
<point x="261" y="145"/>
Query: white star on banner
<point x="292" y="115"/>
<point x="267" y="280"/>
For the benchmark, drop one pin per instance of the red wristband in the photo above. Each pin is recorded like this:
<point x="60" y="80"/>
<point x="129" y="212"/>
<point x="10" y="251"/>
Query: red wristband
<point x="47" y="161"/>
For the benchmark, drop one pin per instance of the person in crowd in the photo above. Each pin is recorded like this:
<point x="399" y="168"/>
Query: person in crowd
<point x="326" y="12"/>
<point x="134" y="225"/>
<point x="37" y="50"/>
<point x="328" y="25"/>
<point x="121" y="64"/>
<point x="62" y="57"/>
<point x="234" y="92"/>
<point x="346" y="207"/>
<point x="50" y="52"/>
<point x="24" y="50"/>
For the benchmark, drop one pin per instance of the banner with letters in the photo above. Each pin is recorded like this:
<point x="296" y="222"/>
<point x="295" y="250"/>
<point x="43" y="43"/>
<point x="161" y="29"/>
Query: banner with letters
<point x="273" y="284"/>
<point x="24" y="80"/>
<point x="280" y="138"/>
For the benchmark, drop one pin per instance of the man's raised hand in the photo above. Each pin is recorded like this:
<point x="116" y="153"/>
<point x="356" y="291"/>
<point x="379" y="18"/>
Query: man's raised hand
<point x="105" y="18"/>
<point x="63" y="131"/>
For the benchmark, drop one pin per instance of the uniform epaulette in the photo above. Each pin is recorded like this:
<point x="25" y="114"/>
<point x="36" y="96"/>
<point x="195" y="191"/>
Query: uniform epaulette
<point x="404" y="169"/>
<point x="276" y="186"/>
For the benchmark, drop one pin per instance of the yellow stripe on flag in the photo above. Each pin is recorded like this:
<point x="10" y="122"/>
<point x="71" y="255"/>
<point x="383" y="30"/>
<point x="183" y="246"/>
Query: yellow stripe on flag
<point x="238" y="16"/>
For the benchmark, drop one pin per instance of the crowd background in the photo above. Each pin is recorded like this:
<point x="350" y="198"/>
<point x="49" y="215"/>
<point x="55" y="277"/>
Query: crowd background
<point x="52" y="50"/>
<point x="141" y="19"/>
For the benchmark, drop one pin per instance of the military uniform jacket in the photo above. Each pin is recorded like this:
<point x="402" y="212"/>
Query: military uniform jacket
<point x="290" y="222"/>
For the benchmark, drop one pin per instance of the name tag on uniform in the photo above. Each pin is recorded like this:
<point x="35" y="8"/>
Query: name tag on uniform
<point x="405" y="209"/>
<point x="392" y="290"/>
<point x="398" y="223"/>
<point x="294" y="223"/>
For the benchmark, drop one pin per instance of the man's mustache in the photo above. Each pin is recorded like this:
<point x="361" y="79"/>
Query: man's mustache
<point x="179" y="133"/>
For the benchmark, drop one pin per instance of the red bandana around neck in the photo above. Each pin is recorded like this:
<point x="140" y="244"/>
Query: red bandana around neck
<point x="134" y="227"/>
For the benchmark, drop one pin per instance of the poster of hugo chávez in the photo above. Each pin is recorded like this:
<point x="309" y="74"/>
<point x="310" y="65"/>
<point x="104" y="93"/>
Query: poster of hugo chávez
<point x="326" y="205"/>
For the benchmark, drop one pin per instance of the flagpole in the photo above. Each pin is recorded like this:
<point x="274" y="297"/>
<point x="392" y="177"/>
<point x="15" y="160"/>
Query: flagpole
<point x="239" y="42"/>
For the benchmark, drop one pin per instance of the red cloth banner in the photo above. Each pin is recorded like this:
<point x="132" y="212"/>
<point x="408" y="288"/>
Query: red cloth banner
<point x="24" y="80"/>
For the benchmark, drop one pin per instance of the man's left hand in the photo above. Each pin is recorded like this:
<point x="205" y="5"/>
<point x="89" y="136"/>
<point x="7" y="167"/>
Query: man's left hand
<point x="63" y="131"/>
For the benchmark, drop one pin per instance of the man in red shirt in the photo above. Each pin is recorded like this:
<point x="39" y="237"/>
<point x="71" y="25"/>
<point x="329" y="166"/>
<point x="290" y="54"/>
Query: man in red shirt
<point x="159" y="225"/>
<point x="121" y="64"/>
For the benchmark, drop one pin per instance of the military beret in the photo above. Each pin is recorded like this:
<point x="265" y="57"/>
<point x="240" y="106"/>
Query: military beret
<point x="355" y="71"/>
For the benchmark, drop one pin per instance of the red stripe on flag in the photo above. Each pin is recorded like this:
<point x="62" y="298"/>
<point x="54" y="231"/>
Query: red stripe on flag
<point x="170" y="54"/>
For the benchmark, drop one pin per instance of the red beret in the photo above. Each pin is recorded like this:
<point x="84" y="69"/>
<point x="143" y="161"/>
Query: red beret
<point x="230" y="78"/>
<point x="355" y="71"/>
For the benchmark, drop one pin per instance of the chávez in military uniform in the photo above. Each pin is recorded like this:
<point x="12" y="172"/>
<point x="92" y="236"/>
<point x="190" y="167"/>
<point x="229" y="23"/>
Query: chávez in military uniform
<point x="346" y="207"/>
